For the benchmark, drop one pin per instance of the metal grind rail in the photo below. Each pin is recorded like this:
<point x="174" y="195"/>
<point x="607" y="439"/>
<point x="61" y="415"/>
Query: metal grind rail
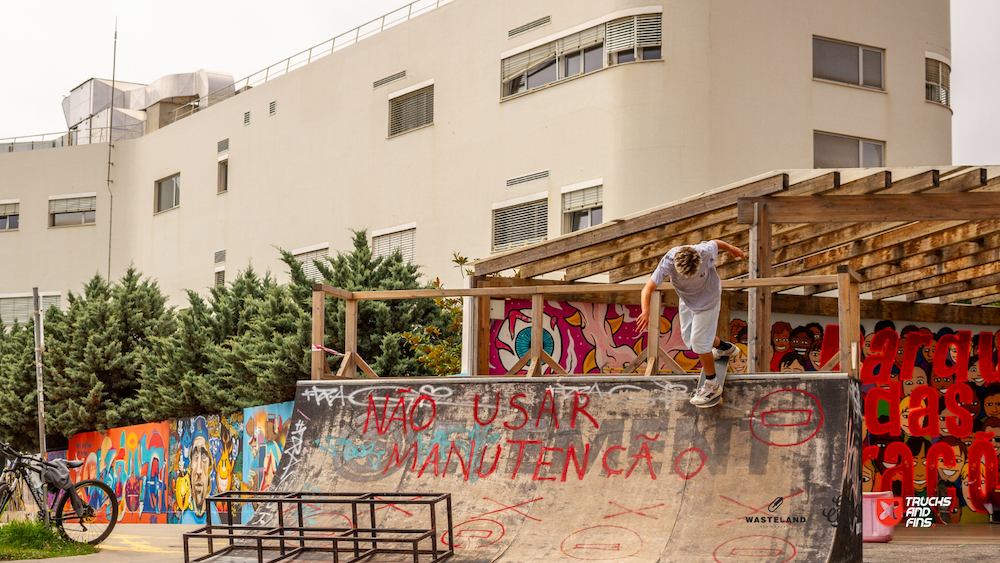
<point x="362" y="539"/>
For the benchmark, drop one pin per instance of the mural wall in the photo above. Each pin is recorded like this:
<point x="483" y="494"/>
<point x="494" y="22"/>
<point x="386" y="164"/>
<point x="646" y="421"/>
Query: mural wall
<point x="206" y="458"/>
<point x="133" y="461"/>
<point x="264" y="431"/>
<point x="938" y="381"/>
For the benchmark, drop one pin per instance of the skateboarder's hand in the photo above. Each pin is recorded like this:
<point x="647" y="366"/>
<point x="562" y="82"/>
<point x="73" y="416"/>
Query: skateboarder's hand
<point x="738" y="253"/>
<point x="643" y="321"/>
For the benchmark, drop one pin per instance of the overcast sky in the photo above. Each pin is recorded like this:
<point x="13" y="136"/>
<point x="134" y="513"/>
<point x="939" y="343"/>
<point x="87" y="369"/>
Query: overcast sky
<point x="52" y="46"/>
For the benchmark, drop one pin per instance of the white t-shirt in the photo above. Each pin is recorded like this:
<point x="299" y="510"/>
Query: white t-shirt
<point x="701" y="291"/>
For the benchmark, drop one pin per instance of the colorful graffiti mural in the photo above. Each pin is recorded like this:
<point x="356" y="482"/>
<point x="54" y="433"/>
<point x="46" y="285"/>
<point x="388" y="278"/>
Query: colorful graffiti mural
<point x="133" y="462"/>
<point x="264" y="431"/>
<point x="206" y="458"/>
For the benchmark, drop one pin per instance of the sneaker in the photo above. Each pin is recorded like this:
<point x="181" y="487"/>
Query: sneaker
<point x="718" y="353"/>
<point x="706" y="393"/>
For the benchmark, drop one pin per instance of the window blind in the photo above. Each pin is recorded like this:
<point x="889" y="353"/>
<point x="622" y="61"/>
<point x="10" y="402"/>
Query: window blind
<point x="10" y="208"/>
<point x="18" y="309"/>
<point x="404" y="241"/>
<point x="520" y="224"/>
<point x="626" y="33"/>
<point x="582" y="199"/>
<point x="308" y="267"/>
<point x="938" y="78"/>
<point x="413" y="110"/>
<point x="71" y="204"/>
<point x="220" y="278"/>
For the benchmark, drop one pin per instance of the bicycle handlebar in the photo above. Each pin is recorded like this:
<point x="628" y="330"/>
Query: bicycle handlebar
<point x="10" y="451"/>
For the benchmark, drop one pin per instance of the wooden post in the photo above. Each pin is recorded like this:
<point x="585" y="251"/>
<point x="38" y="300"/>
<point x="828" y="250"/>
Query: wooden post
<point x="724" y="309"/>
<point x="759" y="301"/>
<point x="849" y="317"/>
<point x="481" y="362"/>
<point x="653" y="335"/>
<point x="350" y="337"/>
<point x="535" y="367"/>
<point x="318" y="320"/>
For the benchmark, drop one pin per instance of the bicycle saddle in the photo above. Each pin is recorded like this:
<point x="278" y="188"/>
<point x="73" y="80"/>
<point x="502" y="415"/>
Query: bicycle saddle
<point x="74" y="463"/>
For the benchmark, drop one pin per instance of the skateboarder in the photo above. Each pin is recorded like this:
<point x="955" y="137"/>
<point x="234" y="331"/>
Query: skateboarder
<point x="699" y="289"/>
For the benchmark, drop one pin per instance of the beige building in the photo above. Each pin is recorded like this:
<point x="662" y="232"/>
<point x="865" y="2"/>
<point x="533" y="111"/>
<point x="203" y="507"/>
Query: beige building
<point x="475" y="127"/>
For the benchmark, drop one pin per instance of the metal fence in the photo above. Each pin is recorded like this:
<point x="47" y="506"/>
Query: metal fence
<point x="315" y="53"/>
<point x="69" y="138"/>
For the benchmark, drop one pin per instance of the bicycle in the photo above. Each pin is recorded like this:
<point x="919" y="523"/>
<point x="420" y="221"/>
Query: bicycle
<point x="85" y="512"/>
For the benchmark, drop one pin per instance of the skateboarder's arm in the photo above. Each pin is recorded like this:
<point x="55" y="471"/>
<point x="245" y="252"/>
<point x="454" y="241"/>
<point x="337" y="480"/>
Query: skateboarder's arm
<point x="735" y="251"/>
<point x="647" y="294"/>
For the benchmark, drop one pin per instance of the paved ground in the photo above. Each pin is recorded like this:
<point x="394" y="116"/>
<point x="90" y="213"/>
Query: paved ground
<point x="141" y="543"/>
<point x="942" y="544"/>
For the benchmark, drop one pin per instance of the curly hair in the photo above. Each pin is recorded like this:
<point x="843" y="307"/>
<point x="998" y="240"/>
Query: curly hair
<point x="687" y="260"/>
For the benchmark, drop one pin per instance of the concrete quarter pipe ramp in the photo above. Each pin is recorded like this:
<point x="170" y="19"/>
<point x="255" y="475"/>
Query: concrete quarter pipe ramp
<point x="596" y="469"/>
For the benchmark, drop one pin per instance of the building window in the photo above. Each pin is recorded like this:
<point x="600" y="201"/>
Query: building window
<point x="583" y="208"/>
<point x="938" y="78"/>
<point x="847" y="63"/>
<point x="307" y="256"/>
<point x="839" y="151"/>
<point x="411" y="111"/>
<point x="9" y="216"/>
<point x="70" y="211"/>
<point x="220" y="277"/>
<point x="521" y="224"/>
<point x="223" y="180"/>
<point x="168" y="193"/>
<point x="582" y="52"/>
<point x="18" y="308"/>
<point x="404" y="239"/>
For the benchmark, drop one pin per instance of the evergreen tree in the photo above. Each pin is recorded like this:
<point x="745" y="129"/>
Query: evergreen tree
<point x="98" y="349"/>
<point x="381" y="324"/>
<point x="18" y="387"/>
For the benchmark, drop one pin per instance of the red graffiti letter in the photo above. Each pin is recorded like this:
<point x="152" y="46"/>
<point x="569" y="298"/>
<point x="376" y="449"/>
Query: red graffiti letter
<point x="892" y="396"/>
<point x="914" y="341"/>
<point x="982" y="449"/>
<point x="580" y="470"/>
<point x="520" y="452"/>
<point x="924" y="412"/>
<point x="963" y="342"/>
<point x="547" y="397"/>
<point x="461" y="461"/>
<point x="413" y="411"/>
<point x="479" y="471"/>
<point x="475" y="410"/>
<point x="885" y="342"/>
<point x="524" y="413"/>
<point x="372" y="409"/>
<point x="578" y="408"/>
<point x="436" y="452"/>
<point x="935" y="454"/>
<point x="959" y="394"/>
<point x="987" y="369"/>
<point x="899" y="453"/>
<point x="604" y="461"/>
<point x="643" y="454"/>
<point x="399" y="460"/>
<point x="541" y="462"/>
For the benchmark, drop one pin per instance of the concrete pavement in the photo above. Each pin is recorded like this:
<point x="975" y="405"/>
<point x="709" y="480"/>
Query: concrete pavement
<point x="145" y="543"/>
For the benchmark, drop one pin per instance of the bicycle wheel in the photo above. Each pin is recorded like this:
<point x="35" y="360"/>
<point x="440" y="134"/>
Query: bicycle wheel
<point x="100" y="512"/>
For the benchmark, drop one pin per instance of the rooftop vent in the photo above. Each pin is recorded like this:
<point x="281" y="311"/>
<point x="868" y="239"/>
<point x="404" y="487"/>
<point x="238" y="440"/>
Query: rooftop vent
<point x="224" y="145"/>
<point x="529" y="26"/>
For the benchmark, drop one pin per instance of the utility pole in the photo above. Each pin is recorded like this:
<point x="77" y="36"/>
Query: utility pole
<point x="39" y="348"/>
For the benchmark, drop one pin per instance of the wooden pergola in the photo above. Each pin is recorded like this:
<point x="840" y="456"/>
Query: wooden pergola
<point x="924" y="241"/>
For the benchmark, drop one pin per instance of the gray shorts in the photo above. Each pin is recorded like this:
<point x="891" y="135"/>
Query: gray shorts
<point x="698" y="328"/>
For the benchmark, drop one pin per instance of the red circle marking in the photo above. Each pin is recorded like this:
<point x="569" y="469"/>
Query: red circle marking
<point x="677" y="463"/>
<point x="715" y="554"/>
<point x="486" y="526"/>
<point x="753" y="417"/>
<point x="602" y="551"/>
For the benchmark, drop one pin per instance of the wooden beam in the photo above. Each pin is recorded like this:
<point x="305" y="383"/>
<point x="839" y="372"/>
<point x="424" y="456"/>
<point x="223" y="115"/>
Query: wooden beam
<point x="519" y="364"/>
<point x="361" y="363"/>
<point x="334" y="291"/>
<point x="979" y="206"/>
<point x="759" y="302"/>
<point x="670" y="362"/>
<point x="986" y="294"/>
<point x="481" y="365"/>
<point x="350" y="339"/>
<point x="988" y="299"/>
<point x="898" y="311"/>
<point x="684" y="209"/>
<point x="722" y="331"/>
<point x="924" y="279"/>
<point x="849" y="319"/>
<point x="535" y="367"/>
<point x="955" y="287"/>
<point x="653" y="335"/>
<point x="317" y="357"/>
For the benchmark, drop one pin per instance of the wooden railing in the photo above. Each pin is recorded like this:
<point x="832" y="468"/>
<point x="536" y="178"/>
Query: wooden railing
<point x="846" y="280"/>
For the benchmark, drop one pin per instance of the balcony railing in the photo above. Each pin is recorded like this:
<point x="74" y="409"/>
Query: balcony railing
<point x="90" y="136"/>
<point x="310" y="55"/>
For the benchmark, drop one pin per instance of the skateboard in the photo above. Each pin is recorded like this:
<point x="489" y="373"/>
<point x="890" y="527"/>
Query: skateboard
<point x="721" y="367"/>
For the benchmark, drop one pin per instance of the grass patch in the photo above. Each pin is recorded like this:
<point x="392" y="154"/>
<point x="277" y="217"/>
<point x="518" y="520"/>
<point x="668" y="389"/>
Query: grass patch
<point x="32" y="540"/>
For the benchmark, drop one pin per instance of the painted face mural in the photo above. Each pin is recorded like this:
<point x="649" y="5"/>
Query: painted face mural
<point x="918" y="378"/>
<point x="801" y="340"/>
<point x="991" y="403"/>
<point x="952" y="473"/>
<point x="975" y="378"/>
<point x="201" y="473"/>
<point x="780" y="337"/>
<point x="871" y="480"/>
<point x="739" y="362"/>
<point x="920" y="470"/>
<point x="941" y="382"/>
<point x="514" y="339"/>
